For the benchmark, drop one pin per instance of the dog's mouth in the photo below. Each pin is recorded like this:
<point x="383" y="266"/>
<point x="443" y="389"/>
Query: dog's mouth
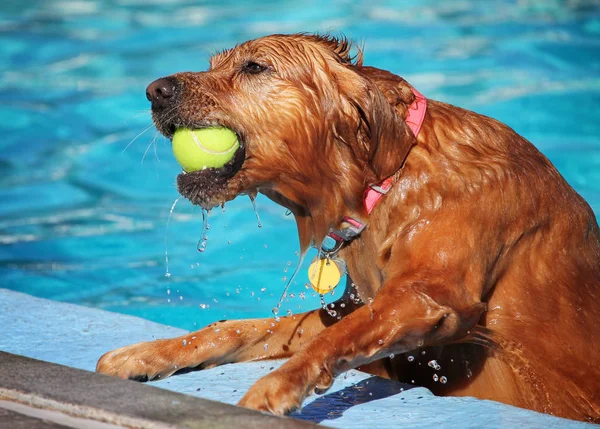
<point x="209" y="186"/>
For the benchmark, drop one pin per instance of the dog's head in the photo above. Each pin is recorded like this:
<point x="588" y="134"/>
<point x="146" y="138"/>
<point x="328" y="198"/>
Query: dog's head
<point x="315" y="126"/>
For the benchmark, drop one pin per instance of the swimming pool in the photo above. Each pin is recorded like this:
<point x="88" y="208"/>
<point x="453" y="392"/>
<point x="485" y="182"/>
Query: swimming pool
<point x="87" y="186"/>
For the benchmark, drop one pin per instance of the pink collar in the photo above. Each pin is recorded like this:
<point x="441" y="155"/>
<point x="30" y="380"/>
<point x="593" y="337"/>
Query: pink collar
<point x="335" y="239"/>
<point x="414" y="119"/>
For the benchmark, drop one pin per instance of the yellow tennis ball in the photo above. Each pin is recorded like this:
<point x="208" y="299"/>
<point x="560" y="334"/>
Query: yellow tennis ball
<point x="204" y="148"/>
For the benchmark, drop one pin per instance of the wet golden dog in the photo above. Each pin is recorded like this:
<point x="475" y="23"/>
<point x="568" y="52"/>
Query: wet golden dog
<point x="480" y="255"/>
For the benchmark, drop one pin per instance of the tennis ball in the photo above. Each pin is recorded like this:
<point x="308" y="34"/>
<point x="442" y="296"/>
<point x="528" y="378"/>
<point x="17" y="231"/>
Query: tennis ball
<point x="204" y="148"/>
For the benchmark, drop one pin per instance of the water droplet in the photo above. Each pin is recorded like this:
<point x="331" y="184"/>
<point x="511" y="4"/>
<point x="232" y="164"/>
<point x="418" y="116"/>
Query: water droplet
<point x="392" y="355"/>
<point x="443" y="379"/>
<point x="435" y="377"/>
<point x="410" y="358"/>
<point x="434" y="364"/>
<point x="266" y="346"/>
<point x="255" y="211"/>
<point x="201" y="246"/>
<point x="184" y="342"/>
<point x="423" y="352"/>
<point x="380" y="342"/>
<point x="167" y="273"/>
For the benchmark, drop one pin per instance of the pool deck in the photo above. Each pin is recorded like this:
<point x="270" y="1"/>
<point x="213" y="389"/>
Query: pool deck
<point x="48" y="350"/>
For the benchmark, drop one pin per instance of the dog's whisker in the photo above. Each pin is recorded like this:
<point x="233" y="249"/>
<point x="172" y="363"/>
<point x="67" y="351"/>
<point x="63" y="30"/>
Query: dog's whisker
<point x="136" y="137"/>
<point x="141" y="113"/>
<point x="146" y="152"/>
<point x="155" y="144"/>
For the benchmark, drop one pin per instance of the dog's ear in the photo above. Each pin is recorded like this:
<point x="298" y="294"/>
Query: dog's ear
<point x="379" y="98"/>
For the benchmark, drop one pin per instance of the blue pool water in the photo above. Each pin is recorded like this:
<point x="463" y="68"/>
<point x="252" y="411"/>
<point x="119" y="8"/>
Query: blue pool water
<point x="83" y="220"/>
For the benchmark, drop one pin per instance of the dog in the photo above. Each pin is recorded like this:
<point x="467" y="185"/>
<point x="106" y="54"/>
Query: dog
<point x="463" y="244"/>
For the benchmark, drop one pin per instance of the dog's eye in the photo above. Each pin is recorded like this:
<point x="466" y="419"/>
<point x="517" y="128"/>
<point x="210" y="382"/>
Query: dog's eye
<point x="250" y="67"/>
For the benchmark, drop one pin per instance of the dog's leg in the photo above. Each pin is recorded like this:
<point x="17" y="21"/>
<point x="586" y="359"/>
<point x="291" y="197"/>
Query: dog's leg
<point x="404" y="315"/>
<point x="217" y="344"/>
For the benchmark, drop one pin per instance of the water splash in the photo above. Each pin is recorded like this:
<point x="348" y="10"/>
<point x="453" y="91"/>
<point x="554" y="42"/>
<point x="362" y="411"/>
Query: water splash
<point x="324" y="306"/>
<point x="167" y="273"/>
<point x="287" y="286"/>
<point x="253" y="199"/>
<point x="201" y="246"/>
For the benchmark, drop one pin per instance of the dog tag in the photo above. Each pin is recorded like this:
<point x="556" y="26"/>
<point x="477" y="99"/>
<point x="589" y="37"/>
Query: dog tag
<point x="324" y="275"/>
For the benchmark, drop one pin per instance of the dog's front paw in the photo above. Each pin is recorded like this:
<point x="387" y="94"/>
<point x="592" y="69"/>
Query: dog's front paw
<point x="283" y="390"/>
<point x="143" y="361"/>
<point x="274" y="393"/>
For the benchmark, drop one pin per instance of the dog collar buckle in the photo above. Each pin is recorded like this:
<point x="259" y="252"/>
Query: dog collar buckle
<point x="336" y="238"/>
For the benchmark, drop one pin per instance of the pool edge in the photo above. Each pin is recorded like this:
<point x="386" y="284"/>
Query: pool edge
<point x="96" y="397"/>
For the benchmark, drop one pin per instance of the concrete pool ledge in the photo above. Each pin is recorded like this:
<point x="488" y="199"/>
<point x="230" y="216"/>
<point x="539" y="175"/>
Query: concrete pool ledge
<point x="121" y="403"/>
<point x="50" y="349"/>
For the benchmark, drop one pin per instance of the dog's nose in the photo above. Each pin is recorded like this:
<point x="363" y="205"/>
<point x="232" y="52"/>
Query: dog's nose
<point x="161" y="92"/>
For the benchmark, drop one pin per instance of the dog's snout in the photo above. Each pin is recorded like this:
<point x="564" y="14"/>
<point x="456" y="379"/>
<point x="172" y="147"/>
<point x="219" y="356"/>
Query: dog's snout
<point x="162" y="92"/>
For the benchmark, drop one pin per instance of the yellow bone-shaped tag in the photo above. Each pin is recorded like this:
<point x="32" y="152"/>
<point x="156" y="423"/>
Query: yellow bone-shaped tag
<point x="324" y="275"/>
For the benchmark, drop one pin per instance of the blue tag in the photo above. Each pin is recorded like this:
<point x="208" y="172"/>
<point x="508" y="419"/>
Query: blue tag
<point x="328" y="244"/>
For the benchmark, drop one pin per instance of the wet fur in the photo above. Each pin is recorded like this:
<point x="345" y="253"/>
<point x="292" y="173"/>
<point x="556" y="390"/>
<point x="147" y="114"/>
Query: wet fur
<point x="481" y="255"/>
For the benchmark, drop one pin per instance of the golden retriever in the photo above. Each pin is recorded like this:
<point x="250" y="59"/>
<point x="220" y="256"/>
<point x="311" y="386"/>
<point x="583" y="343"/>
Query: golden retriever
<point x="480" y="256"/>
